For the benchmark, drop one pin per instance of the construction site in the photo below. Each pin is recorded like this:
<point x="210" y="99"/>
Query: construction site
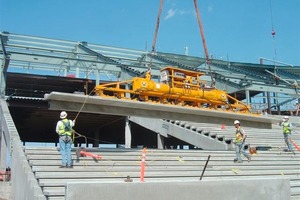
<point x="149" y="124"/>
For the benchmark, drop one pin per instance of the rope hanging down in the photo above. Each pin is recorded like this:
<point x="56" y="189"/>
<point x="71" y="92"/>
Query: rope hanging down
<point x="83" y="104"/>
<point x="78" y="115"/>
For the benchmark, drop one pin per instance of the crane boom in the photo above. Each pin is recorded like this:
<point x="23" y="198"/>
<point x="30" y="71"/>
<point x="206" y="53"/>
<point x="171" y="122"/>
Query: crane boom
<point x="203" y="40"/>
<point x="201" y="31"/>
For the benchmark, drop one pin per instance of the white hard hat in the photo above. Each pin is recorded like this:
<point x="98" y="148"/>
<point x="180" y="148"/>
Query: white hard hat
<point x="236" y="122"/>
<point x="285" y="117"/>
<point x="63" y="114"/>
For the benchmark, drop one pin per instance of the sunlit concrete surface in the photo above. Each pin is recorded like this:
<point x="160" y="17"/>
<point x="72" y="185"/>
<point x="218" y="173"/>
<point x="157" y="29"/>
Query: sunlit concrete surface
<point x="95" y="104"/>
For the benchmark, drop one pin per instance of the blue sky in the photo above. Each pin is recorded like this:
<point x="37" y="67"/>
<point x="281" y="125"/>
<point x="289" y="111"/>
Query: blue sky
<point x="235" y="30"/>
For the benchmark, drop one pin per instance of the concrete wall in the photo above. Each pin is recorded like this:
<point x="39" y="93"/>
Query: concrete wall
<point x="24" y="184"/>
<point x="5" y="144"/>
<point x="249" y="189"/>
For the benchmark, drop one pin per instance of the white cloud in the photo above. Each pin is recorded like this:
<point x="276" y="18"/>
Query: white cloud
<point x="171" y="13"/>
<point x="210" y="9"/>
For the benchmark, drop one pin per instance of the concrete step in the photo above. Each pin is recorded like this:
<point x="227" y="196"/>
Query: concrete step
<point x="56" y="197"/>
<point x="163" y="168"/>
<point x="162" y="174"/>
<point x="5" y="190"/>
<point x="54" y="191"/>
<point x="172" y="165"/>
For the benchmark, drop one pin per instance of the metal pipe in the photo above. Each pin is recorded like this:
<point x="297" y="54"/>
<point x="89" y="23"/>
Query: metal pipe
<point x="204" y="167"/>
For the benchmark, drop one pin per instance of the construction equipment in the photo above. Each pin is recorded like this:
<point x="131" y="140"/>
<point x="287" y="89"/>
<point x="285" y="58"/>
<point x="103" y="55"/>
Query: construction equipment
<point x="176" y="87"/>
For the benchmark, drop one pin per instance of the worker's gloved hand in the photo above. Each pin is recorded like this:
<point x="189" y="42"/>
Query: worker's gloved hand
<point x="74" y="122"/>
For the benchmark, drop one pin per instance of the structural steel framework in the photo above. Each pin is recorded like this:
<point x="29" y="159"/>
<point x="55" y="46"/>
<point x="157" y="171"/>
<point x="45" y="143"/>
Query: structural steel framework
<point x="45" y="56"/>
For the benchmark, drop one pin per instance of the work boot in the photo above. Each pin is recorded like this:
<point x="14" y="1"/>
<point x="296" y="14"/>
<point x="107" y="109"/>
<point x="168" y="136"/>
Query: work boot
<point x="237" y="161"/>
<point x="62" y="166"/>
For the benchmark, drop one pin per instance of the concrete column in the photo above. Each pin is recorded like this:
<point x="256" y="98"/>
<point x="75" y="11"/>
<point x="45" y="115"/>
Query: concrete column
<point x="96" y="136"/>
<point x="269" y="102"/>
<point x="77" y="72"/>
<point x="127" y="134"/>
<point x="276" y="103"/>
<point x="65" y="72"/>
<point x="247" y="97"/>
<point x="97" y="74"/>
<point x="160" y="141"/>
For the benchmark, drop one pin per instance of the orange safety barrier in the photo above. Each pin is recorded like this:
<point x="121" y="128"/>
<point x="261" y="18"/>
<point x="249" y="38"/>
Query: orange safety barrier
<point x="143" y="163"/>
<point x="295" y="145"/>
<point x="87" y="154"/>
<point x="223" y="126"/>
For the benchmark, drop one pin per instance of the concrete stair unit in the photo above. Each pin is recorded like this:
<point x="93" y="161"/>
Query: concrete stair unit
<point x="216" y="136"/>
<point x="185" y="131"/>
<point x="271" y="161"/>
<point x="161" y="165"/>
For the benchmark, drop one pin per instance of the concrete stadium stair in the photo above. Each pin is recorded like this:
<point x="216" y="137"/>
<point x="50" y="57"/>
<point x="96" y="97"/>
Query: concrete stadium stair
<point x="215" y="136"/>
<point x="117" y="164"/>
<point x="172" y="165"/>
<point x="192" y="133"/>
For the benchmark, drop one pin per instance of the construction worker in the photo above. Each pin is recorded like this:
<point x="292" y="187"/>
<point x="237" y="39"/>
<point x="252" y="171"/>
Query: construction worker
<point x="64" y="128"/>
<point x="287" y="131"/>
<point x="240" y="137"/>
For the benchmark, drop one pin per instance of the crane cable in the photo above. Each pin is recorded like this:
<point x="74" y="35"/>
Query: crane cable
<point x="152" y="53"/>
<point x="155" y="33"/>
<point x="204" y="41"/>
<point x="273" y="35"/>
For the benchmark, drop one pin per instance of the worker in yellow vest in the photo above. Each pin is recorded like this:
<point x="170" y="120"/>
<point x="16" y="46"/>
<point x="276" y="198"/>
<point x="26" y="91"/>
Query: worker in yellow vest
<point x="64" y="129"/>
<point x="287" y="132"/>
<point x="240" y="137"/>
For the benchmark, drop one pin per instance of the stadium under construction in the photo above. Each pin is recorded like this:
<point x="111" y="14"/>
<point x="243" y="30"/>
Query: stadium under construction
<point x="43" y="76"/>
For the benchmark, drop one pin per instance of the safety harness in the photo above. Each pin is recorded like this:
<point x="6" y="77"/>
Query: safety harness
<point x="239" y="135"/>
<point x="65" y="129"/>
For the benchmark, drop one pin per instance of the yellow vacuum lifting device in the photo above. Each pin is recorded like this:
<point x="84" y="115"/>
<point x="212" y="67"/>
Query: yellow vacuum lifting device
<point x="177" y="87"/>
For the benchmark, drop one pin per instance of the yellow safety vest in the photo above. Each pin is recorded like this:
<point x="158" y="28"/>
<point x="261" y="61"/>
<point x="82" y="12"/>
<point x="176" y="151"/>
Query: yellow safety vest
<point x="286" y="127"/>
<point x="65" y="128"/>
<point x="238" y="136"/>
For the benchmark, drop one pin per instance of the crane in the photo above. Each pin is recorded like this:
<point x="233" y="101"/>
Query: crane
<point x="201" y="34"/>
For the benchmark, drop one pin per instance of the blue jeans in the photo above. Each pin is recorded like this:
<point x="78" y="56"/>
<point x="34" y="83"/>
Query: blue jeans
<point x="239" y="149"/>
<point x="65" y="143"/>
<point x="287" y="139"/>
